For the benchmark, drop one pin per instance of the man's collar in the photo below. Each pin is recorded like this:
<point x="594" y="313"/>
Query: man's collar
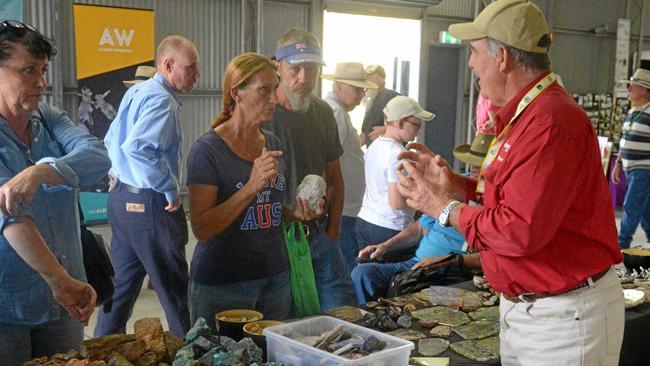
<point x="510" y="108"/>
<point x="642" y="107"/>
<point x="332" y="95"/>
<point x="159" y="78"/>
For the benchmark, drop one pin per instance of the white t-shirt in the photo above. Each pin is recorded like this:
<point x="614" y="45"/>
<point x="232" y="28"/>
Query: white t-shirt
<point x="352" y="159"/>
<point x="381" y="169"/>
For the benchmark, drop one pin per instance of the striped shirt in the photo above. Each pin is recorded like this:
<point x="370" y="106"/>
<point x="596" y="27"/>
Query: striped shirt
<point x="635" y="142"/>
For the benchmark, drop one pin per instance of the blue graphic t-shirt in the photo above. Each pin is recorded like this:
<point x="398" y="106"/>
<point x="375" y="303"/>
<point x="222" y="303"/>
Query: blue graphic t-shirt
<point x="252" y="247"/>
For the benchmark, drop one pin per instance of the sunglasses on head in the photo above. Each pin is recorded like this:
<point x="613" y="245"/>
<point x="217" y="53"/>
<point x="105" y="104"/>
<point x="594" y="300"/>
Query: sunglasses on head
<point x="14" y="25"/>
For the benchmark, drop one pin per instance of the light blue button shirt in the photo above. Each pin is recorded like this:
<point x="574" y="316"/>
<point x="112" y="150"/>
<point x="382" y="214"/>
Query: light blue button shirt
<point x="144" y="141"/>
<point x="81" y="161"/>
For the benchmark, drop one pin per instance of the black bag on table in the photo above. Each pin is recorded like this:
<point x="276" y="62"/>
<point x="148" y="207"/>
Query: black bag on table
<point x="414" y="280"/>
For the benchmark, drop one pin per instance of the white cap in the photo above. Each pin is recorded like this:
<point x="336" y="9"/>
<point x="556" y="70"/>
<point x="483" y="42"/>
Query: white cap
<point x="401" y="107"/>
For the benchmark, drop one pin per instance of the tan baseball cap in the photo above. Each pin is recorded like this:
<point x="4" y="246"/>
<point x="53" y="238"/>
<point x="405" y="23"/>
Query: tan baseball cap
<point x="402" y="107"/>
<point x="517" y="23"/>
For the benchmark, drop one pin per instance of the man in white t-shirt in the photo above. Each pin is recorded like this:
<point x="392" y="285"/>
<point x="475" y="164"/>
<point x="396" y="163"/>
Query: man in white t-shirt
<point x="350" y="85"/>
<point x="384" y="212"/>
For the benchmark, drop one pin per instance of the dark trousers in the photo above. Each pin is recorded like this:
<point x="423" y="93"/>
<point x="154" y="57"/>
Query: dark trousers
<point x="146" y="240"/>
<point x="371" y="234"/>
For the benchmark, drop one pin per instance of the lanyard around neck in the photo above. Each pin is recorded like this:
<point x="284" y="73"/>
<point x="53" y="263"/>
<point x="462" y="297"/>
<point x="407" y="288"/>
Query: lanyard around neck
<point x="497" y="143"/>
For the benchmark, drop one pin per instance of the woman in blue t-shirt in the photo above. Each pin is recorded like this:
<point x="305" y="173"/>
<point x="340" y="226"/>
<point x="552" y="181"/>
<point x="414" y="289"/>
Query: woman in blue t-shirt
<point x="237" y="187"/>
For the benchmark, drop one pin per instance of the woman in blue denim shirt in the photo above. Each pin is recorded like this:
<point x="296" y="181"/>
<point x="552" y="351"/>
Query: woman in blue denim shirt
<point x="43" y="295"/>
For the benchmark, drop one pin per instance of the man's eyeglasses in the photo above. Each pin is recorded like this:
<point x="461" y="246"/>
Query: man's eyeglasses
<point x="357" y="89"/>
<point x="14" y="25"/>
<point x="417" y="125"/>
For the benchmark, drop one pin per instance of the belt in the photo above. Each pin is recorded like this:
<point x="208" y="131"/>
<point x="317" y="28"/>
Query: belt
<point x="132" y="189"/>
<point x="531" y="297"/>
<point x="312" y="226"/>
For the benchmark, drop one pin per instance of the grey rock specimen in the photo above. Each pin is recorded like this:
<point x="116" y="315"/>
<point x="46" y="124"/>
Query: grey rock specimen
<point x="312" y="188"/>
<point x="441" y="331"/>
<point x="432" y="346"/>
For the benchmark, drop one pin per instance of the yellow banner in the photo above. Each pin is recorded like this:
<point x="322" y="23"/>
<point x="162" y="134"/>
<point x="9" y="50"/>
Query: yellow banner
<point x="109" y="38"/>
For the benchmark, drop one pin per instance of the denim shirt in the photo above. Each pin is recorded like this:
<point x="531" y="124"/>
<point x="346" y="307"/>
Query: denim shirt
<point x="145" y="139"/>
<point x="25" y="298"/>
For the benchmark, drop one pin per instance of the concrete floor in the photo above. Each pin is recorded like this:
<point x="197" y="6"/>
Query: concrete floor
<point x="148" y="305"/>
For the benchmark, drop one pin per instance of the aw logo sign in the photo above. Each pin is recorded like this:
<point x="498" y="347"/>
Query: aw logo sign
<point x="119" y="40"/>
<point x="110" y="38"/>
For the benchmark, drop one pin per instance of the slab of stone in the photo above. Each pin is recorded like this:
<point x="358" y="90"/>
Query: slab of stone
<point x="99" y="348"/>
<point x="443" y="315"/>
<point x="407" y="334"/>
<point x="432" y="346"/>
<point x="491" y="343"/>
<point x="131" y="350"/>
<point x="441" y="331"/>
<point x="477" y="330"/>
<point x="489" y="313"/>
<point x="150" y="331"/>
<point x="347" y="313"/>
<point x="117" y="359"/>
<point x="148" y="358"/>
<point x="474" y="351"/>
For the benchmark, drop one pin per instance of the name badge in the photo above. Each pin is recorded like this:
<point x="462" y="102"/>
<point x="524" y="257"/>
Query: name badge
<point x="135" y="207"/>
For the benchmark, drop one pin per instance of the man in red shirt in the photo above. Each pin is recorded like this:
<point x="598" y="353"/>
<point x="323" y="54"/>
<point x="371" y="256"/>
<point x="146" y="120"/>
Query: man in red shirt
<point x="545" y="231"/>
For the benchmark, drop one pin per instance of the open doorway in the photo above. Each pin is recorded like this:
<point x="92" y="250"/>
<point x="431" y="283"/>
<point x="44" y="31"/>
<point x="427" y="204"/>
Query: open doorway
<point x="393" y="43"/>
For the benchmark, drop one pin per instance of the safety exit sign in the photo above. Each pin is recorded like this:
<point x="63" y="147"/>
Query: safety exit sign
<point x="445" y="37"/>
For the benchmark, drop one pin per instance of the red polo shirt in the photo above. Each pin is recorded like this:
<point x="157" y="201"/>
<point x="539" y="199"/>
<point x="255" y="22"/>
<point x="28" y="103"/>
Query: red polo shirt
<point x="547" y="223"/>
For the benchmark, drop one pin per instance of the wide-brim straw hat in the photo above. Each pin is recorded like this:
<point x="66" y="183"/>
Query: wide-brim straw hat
<point x="142" y="73"/>
<point x="641" y="77"/>
<point x="475" y="153"/>
<point x="351" y="73"/>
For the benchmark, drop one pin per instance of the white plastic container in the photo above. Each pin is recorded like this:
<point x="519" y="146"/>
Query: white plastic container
<point x="282" y="348"/>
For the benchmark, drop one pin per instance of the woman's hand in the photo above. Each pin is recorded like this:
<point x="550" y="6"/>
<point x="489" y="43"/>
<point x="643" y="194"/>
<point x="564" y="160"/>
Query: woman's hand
<point x="20" y="189"/>
<point x="78" y="298"/>
<point x="264" y="167"/>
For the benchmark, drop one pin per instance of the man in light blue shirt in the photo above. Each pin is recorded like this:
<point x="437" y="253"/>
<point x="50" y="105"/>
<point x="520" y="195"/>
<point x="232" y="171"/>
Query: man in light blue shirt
<point x="149" y="228"/>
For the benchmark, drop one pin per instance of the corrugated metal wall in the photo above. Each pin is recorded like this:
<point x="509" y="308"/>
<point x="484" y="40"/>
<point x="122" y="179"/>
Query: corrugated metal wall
<point x="275" y="24"/>
<point x="584" y="60"/>
<point x="213" y="25"/>
<point x="453" y="8"/>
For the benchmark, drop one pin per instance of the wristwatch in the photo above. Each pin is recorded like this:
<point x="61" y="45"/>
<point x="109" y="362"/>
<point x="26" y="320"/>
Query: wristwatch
<point x="443" y="218"/>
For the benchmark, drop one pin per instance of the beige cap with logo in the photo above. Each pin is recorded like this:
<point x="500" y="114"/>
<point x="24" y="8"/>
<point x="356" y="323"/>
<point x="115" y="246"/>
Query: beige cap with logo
<point x="517" y="23"/>
<point x="402" y="107"/>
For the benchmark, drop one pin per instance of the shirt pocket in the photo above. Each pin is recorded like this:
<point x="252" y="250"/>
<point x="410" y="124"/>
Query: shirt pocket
<point x="13" y="159"/>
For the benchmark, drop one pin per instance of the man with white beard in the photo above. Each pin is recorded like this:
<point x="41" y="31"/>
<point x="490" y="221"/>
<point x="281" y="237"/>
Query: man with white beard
<point x="307" y="129"/>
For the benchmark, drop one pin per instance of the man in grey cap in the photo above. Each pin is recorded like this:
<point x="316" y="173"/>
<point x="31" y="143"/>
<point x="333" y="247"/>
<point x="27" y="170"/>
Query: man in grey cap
<point x="307" y="129"/>
<point x="545" y="231"/>
<point x="634" y="159"/>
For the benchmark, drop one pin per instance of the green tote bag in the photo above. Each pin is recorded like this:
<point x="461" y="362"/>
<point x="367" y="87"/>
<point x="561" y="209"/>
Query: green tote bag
<point x="303" y="283"/>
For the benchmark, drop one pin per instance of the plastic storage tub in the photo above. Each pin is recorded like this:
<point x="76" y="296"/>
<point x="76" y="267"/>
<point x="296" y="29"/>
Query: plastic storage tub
<point x="282" y="348"/>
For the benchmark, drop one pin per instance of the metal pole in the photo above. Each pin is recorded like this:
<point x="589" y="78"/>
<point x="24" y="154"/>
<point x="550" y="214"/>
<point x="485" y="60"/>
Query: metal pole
<point x="259" y="27"/>
<point x="637" y="62"/>
<point x="57" y="75"/>
<point x="242" y="47"/>
<point x="471" y="110"/>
